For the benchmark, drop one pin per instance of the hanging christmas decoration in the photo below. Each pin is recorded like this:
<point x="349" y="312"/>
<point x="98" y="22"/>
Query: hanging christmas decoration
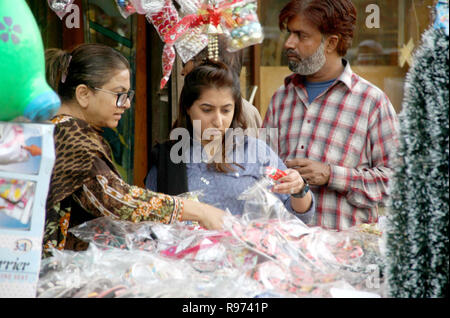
<point x="60" y="6"/>
<point x="195" y="26"/>
<point x="236" y="18"/>
<point x="146" y="6"/>
<point x="125" y="7"/>
<point x="245" y="28"/>
<point x="163" y="20"/>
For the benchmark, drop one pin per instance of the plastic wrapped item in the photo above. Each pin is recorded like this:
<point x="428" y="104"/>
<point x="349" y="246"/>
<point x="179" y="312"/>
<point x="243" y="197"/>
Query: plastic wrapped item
<point x="123" y="273"/>
<point x="299" y="281"/>
<point x="147" y="6"/>
<point x="244" y="28"/>
<point x="125" y="7"/>
<point x="73" y="274"/>
<point x="268" y="252"/>
<point x="351" y="250"/>
<point x="60" y="6"/>
<point x="106" y="232"/>
<point x="163" y="20"/>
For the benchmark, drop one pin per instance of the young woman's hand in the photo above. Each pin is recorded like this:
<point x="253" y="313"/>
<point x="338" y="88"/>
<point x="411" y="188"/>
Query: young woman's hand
<point x="289" y="184"/>
<point x="293" y="183"/>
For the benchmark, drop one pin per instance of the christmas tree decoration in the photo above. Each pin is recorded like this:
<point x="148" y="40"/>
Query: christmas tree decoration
<point x="24" y="90"/>
<point x="417" y="234"/>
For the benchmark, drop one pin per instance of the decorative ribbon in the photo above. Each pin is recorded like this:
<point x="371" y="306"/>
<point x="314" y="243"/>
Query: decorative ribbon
<point x="207" y="15"/>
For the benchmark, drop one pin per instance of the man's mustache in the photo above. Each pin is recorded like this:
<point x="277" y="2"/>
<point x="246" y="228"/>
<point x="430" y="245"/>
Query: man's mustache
<point x="292" y="53"/>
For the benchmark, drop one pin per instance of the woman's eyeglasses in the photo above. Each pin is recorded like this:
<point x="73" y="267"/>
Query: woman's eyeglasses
<point x="121" y="97"/>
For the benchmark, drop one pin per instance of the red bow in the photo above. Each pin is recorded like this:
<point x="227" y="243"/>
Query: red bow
<point x="207" y="15"/>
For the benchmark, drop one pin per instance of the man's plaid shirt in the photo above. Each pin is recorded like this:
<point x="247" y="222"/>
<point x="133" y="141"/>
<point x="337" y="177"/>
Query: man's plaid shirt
<point x="353" y="127"/>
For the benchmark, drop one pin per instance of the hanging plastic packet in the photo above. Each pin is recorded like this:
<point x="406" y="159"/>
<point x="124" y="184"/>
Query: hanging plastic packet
<point x="163" y="19"/>
<point x="125" y="7"/>
<point x="244" y="28"/>
<point x="146" y="6"/>
<point x="60" y="7"/>
<point x="192" y="39"/>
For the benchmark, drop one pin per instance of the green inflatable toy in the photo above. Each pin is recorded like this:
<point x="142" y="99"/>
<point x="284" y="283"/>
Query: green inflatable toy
<point x="23" y="88"/>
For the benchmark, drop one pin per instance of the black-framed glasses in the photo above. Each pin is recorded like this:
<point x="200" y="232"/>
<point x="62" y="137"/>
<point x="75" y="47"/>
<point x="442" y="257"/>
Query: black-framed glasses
<point x="121" y="97"/>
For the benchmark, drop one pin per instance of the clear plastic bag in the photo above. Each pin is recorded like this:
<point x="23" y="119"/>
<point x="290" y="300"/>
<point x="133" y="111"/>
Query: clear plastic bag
<point x="125" y="7"/>
<point x="60" y="6"/>
<point x="106" y="232"/>
<point x="266" y="226"/>
<point x="244" y="28"/>
<point x="268" y="252"/>
<point x="147" y="6"/>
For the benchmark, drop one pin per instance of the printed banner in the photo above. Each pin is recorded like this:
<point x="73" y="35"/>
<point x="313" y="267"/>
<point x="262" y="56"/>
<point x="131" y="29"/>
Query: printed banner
<point x="27" y="156"/>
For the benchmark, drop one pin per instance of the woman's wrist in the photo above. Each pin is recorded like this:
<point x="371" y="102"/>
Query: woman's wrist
<point x="302" y="205"/>
<point x="192" y="211"/>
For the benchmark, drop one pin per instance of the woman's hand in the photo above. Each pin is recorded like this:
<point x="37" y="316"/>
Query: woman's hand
<point x="293" y="183"/>
<point x="206" y="215"/>
<point x="289" y="184"/>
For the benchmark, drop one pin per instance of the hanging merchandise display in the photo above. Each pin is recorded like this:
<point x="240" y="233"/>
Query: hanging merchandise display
<point x="163" y="20"/>
<point x="60" y="7"/>
<point x="125" y="7"/>
<point x="193" y="27"/>
<point x="196" y="25"/>
<point x="244" y="28"/>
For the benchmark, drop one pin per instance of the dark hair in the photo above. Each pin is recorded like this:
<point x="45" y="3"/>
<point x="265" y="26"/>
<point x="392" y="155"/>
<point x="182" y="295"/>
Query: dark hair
<point x="331" y="17"/>
<point x="210" y="74"/>
<point x="91" y="64"/>
<point x="233" y="60"/>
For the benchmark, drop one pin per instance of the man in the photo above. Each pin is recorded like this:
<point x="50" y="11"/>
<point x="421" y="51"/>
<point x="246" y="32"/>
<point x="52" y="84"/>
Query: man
<point x="337" y="129"/>
<point x="250" y="114"/>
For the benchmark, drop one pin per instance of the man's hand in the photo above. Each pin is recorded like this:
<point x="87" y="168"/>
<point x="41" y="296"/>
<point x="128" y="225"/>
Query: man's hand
<point x="316" y="173"/>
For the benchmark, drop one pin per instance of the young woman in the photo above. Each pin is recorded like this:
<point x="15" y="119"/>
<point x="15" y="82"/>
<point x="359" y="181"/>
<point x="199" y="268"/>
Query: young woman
<point x="211" y="101"/>
<point x="93" y="82"/>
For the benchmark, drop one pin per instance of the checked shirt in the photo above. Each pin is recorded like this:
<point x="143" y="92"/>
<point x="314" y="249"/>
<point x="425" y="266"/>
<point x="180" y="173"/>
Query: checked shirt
<point x="353" y="127"/>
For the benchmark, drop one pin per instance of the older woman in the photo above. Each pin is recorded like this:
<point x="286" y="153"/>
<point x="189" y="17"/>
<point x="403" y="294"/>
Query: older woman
<point x="93" y="82"/>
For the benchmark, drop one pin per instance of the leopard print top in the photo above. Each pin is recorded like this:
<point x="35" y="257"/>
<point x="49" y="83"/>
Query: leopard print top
<point x="85" y="184"/>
